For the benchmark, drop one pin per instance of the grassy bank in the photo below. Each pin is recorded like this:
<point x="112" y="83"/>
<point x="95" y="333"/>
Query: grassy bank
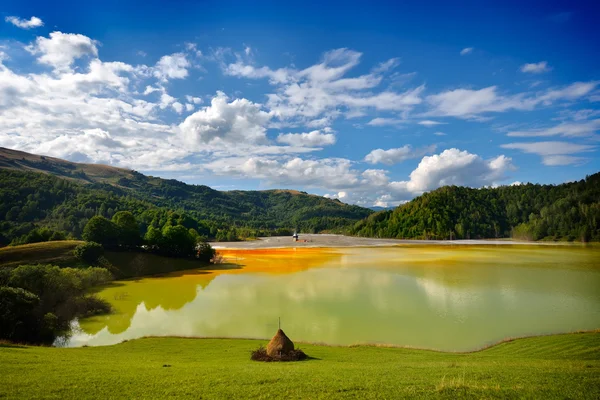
<point x="123" y="264"/>
<point x="559" y="366"/>
<point x="57" y="253"/>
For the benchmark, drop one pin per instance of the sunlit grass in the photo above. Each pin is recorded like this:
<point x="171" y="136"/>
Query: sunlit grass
<point x="559" y="366"/>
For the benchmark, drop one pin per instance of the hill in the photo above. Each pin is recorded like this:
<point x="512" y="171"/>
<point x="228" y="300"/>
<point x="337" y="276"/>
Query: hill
<point x="45" y="192"/>
<point x="570" y="211"/>
<point x="550" y="367"/>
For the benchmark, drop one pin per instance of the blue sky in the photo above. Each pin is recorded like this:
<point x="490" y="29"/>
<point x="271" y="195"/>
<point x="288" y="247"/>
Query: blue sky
<point x="370" y="102"/>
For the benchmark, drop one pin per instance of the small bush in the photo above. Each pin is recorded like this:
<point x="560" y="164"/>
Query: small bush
<point x="260" y="354"/>
<point x="89" y="252"/>
<point x="90" y="305"/>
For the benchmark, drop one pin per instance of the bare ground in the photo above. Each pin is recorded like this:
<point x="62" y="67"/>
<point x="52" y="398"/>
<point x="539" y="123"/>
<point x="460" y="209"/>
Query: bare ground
<point x="325" y="240"/>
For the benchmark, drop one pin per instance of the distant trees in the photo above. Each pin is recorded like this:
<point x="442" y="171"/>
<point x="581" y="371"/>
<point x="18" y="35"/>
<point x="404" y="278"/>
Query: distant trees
<point x="569" y="211"/>
<point x="30" y="200"/>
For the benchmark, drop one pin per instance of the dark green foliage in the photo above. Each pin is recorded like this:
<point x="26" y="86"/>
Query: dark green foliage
<point x="38" y="235"/>
<point x="177" y="242"/>
<point x="569" y="211"/>
<point x="205" y="252"/>
<point x="17" y="318"/>
<point x="128" y="230"/>
<point x="39" y="301"/>
<point x="101" y="230"/>
<point x="90" y="252"/>
<point x="30" y="200"/>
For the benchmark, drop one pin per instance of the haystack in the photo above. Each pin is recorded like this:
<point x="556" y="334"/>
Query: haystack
<point x="280" y="345"/>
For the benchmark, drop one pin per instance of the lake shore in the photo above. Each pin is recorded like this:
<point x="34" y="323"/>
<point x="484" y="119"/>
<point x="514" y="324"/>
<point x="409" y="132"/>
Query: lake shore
<point x="329" y="240"/>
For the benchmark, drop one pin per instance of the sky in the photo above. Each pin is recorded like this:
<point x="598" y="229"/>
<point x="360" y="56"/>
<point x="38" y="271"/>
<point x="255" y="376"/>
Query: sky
<point x="373" y="103"/>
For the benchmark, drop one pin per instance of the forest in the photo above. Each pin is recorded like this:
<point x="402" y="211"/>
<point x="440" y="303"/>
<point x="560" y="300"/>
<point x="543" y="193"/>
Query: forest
<point x="569" y="211"/>
<point x="36" y="207"/>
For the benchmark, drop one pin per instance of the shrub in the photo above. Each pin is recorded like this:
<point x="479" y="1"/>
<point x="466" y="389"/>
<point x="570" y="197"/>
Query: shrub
<point x="17" y="314"/>
<point x="58" y="297"/>
<point x="205" y="251"/>
<point x="89" y="252"/>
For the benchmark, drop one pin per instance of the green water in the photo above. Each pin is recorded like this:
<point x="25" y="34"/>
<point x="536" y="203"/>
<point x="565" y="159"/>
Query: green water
<point x="441" y="297"/>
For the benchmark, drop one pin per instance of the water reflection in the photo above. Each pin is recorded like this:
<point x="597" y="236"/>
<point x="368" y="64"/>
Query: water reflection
<point x="434" y="297"/>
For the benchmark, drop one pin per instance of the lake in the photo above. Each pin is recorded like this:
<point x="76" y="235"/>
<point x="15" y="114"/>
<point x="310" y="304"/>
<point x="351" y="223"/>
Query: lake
<point x="454" y="298"/>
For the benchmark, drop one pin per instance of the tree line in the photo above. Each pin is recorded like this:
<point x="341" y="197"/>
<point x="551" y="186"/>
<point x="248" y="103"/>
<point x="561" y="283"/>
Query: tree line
<point x="569" y="211"/>
<point x="37" y="207"/>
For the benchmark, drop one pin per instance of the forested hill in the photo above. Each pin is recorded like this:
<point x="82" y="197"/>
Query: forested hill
<point x="569" y="211"/>
<point x="38" y="191"/>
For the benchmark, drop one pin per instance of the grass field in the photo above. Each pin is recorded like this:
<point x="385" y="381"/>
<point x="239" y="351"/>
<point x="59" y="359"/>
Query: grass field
<point x="559" y="366"/>
<point x="58" y="253"/>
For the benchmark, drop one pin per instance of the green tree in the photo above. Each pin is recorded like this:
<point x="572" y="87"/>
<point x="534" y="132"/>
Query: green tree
<point x="205" y="252"/>
<point x="101" y="230"/>
<point x="90" y="252"/>
<point x="153" y="237"/>
<point x="178" y="242"/>
<point x="127" y="228"/>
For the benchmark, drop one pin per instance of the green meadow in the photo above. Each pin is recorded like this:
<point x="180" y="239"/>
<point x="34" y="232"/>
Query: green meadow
<point x="548" y="367"/>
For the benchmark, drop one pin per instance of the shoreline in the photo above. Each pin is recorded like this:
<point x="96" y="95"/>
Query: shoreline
<point x="338" y="241"/>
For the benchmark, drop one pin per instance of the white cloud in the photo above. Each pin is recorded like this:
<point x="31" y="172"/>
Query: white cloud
<point x="466" y="50"/>
<point x="454" y="167"/>
<point x="238" y="121"/>
<point x="194" y="100"/>
<point x="536" y="68"/>
<point x="178" y="107"/>
<point x="33" y="22"/>
<point x="310" y="139"/>
<point x="439" y="133"/>
<point x="327" y="172"/>
<point x="468" y="103"/>
<point x="565" y="129"/>
<point x="174" y="66"/>
<point x="62" y="49"/>
<point x="386" y="121"/>
<point x="323" y="88"/>
<point x="397" y="155"/>
<point x="429" y="123"/>
<point x="553" y="153"/>
<point x="189" y="107"/>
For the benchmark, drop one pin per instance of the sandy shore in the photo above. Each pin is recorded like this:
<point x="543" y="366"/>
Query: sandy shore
<point x="310" y="240"/>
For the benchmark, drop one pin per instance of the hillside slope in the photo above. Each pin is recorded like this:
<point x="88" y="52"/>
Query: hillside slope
<point x="38" y="191"/>
<point x="569" y="211"/>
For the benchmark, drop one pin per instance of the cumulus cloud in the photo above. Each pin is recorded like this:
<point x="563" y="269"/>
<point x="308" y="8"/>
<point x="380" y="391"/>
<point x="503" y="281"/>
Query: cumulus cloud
<point x="174" y="66"/>
<point x="466" y="50"/>
<point x="60" y="50"/>
<point x="33" y="22"/>
<point x="555" y="152"/>
<point x="536" y="68"/>
<point x="310" y="139"/>
<point x="397" y="155"/>
<point x="454" y="167"/>
<point x="327" y="172"/>
<point x="237" y="121"/>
